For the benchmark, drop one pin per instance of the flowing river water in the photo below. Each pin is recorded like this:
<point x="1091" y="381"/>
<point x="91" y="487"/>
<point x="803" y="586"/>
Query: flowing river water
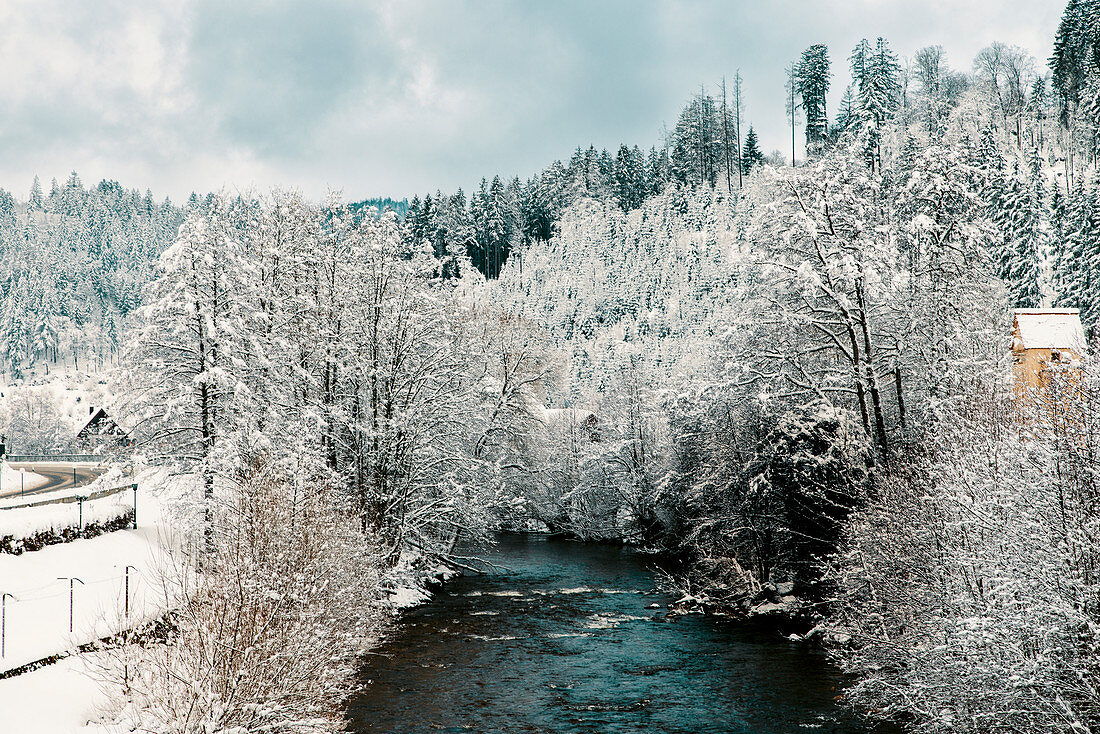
<point x="565" y="640"/>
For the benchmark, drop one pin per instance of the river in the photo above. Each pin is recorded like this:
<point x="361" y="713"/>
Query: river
<point x="565" y="640"/>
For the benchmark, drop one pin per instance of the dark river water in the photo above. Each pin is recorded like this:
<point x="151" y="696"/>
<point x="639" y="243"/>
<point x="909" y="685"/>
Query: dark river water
<point x="565" y="640"/>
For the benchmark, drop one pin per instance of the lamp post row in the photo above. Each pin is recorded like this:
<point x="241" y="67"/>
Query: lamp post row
<point x="71" y="579"/>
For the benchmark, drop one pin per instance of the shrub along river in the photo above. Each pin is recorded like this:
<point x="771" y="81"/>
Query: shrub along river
<point x="563" y="639"/>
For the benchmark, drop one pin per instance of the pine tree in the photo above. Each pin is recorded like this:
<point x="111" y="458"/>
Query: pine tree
<point x="1024" y="220"/>
<point x="1079" y="260"/>
<point x="847" y="115"/>
<point x="658" y="170"/>
<point x="35" y="198"/>
<point x="876" y="76"/>
<point x="630" y="179"/>
<point x="751" y="156"/>
<point x="697" y="153"/>
<point x="812" y="82"/>
<point x="1076" y="52"/>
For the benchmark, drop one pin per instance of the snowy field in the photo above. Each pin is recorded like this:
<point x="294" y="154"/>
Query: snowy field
<point x="57" y="699"/>
<point x="61" y="697"/>
<point x="37" y="619"/>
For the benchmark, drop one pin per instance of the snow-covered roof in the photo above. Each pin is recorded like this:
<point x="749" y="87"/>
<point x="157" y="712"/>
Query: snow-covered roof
<point x="101" y="424"/>
<point x="1049" y="328"/>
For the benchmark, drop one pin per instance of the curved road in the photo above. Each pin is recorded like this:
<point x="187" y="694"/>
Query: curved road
<point x="59" y="475"/>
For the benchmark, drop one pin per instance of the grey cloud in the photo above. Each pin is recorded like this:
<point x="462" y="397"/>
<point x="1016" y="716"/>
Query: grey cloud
<point x="396" y="98"/>
<point x="269" y="73"/>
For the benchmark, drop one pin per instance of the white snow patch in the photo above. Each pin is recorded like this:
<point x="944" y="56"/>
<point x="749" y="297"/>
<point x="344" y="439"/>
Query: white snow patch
<point x="60" y="699"/>
<point x="404" y="597"/>
<point x="609" y="621"/>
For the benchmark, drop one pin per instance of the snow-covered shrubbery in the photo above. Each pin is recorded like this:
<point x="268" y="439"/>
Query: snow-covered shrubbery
<point x="27" y="529"/>
<point x="268" y="623"/>
<point x="968" y="589"/>
<point x="786" y="510"/>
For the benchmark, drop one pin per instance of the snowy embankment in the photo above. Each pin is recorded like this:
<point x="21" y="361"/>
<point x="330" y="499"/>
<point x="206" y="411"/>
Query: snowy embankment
<point x="37" y="622"/>
<point x="12" y="479"/>
<point x="26" y="522"/>
<point x="50" y="520"/>
<point x="38" y="612"/>
<point x="408" y="585"/>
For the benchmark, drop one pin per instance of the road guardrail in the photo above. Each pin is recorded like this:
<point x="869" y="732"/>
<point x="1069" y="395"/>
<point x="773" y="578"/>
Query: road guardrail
<point x="34" y="458"/>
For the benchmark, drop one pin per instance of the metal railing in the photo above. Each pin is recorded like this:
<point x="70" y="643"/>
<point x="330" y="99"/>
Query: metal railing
<point x="76" y="498"/>
<point x="34" y="458"/>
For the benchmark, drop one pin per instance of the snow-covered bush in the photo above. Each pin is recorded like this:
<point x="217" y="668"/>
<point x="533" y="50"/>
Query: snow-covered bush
<point x="267" y="631"/>
<point x="31" y="419"/>
<point x="787" y="508"/>
<point x="968" y="591"/>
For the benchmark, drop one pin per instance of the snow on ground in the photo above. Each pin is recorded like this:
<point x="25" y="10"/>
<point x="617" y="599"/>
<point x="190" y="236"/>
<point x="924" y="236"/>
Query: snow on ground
<point x="65" y="698"/>
<point x="10" y="479"/>
<point x="62" y="698"/>
<point x="24" y="522"/>
<point x="406" y="586"/>
<point x="37" y="620"/>
<point x="56" y="699"/>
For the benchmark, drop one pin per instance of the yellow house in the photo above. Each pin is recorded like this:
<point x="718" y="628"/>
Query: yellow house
<point x="1045" y="342"/>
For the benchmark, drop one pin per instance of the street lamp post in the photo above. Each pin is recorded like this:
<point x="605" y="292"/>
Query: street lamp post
<point x="70" y="579"/>
<point x="3" y="619"/>
<point x="126" y="591"/>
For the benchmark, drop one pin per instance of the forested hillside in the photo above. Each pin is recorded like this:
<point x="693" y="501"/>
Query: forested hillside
<point x="73" y="264"/>
<point x="805" y="380"/>
<point x="796" y="378"/>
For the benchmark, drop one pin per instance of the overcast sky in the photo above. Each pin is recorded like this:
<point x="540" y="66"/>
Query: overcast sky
<point x="403" y="97"/>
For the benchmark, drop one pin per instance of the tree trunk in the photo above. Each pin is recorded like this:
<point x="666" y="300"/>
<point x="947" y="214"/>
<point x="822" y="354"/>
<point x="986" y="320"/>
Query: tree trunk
<point x="901" y="401"/>
<point x="872" y="380"/>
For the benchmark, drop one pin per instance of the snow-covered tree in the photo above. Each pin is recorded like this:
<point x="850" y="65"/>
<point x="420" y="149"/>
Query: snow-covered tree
<point x="812" y="80"/>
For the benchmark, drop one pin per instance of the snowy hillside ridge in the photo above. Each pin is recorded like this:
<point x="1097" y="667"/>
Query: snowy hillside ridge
<point x="77" y="261"/>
